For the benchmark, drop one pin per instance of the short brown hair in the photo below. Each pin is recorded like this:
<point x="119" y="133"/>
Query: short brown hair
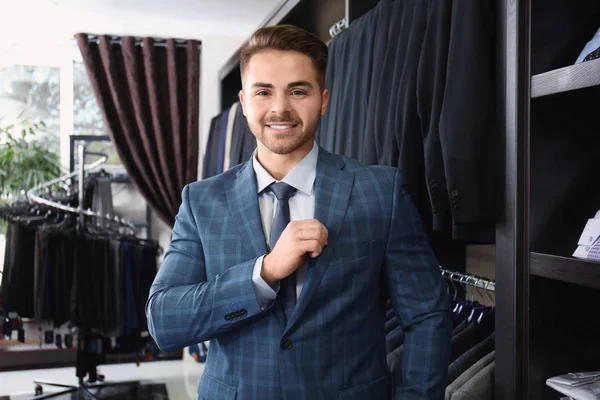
<point x="287" y="38"/>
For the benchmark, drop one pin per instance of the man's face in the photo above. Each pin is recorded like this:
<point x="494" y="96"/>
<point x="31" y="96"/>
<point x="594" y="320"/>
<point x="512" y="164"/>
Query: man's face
<point x="282" y="100"/>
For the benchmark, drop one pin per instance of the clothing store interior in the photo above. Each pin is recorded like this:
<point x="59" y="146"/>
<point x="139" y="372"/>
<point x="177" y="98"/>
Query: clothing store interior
<point x="490" y="109"/>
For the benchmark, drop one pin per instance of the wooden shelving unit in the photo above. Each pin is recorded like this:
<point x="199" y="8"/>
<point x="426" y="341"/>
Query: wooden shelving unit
<point x="566" y="269"/>
<point x="565" y="79"/>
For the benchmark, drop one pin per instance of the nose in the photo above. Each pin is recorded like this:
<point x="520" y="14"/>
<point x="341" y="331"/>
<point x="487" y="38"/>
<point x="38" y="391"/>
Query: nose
<point x="280" y="105"/>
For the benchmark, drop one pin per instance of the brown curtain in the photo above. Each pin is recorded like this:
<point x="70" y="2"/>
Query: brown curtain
<point x="149" y="97"/>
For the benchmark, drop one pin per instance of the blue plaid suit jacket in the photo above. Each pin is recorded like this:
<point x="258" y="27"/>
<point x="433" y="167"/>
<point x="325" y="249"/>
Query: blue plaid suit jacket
<point x="333" y="345"/>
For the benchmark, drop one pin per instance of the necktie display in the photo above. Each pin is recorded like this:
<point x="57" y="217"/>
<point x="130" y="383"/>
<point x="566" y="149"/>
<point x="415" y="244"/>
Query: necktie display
<point x="283" y="192"/>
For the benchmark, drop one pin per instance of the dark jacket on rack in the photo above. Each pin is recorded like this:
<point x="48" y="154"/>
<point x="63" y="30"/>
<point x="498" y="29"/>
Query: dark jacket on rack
<point x="468" y="375"/>
<point x="209" y="164"/>
<point x="422" y="98"/>
<point x="468" y="131"/>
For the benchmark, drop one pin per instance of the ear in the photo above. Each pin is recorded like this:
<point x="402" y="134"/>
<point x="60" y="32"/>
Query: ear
<point x="324" y="101"/>
<point x="241" y="97"/>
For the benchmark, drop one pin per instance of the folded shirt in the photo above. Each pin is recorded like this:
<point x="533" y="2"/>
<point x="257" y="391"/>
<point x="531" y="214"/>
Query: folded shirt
<point x="590" y="47"/>
<point x="577" y="386"/>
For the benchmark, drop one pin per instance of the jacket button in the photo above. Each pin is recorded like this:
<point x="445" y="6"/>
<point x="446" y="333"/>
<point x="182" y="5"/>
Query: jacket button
<point x="286" y="344"/>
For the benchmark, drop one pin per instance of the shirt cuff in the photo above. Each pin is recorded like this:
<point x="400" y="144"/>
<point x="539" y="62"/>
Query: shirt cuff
<point x="264" y="292"/>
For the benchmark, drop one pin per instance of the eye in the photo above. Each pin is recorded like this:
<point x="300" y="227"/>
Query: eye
<point x="262" y="93"/>
<point x="298" y="92"/>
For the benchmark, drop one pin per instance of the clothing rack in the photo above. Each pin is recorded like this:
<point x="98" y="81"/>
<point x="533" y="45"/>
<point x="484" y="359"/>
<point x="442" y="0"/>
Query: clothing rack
<point x="469" y="279"/>
<point x="180" y="43"/>
<point x="34" y="193"/>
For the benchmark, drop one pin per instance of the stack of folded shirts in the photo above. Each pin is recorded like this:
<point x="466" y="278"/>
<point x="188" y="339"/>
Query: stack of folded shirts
<point x="591" y="51"/>
<point x="588" y="246"/>
<point x="577" y="386"/>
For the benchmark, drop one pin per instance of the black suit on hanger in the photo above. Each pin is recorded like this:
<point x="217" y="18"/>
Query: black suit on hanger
<point x="249" y="143"/>
<point x="323" y="136"/>
<point x="338" y="62"/>
<point x="468" y="132"/>
<point x="240" y="127"/>
<point x="209" y="164"/>
<point x="388" y="86"/>
<point x="371" y="151"/>
<point x="406" y="151"/>
<point x="18" y="272"/>
<point x="352" y="121"/>
<point x="431" y="86"/>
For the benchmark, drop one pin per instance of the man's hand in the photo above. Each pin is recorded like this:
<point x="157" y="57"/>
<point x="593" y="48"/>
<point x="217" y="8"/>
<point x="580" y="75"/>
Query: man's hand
<point x="298" y="239"/>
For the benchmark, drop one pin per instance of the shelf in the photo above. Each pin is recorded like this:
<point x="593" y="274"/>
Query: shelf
<point x="18" y="359"/>
<point x="566" y="269"/>
<point x="565" y="79"/>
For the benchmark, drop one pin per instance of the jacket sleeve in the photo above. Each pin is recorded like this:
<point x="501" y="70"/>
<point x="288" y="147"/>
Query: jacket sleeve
<point x="417" y="291"/>
<point x="431" y="82"/>
<point x="185" y="308"/>
<point x="469" y="135"/>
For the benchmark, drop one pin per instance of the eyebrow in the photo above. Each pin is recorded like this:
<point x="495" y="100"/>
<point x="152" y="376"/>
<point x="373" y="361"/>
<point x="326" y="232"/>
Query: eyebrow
<point x="291" y="84"/>
<point x="300" y="83"/>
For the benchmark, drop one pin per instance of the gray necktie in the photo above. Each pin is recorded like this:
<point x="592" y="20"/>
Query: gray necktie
<point x="287" y="288"/>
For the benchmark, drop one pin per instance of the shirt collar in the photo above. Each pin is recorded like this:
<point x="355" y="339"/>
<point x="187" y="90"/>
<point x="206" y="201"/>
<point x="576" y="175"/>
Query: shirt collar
<point x="302" y="176"/>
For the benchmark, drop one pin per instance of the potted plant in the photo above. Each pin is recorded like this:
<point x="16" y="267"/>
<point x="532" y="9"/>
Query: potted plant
<point x="24" y="161"/>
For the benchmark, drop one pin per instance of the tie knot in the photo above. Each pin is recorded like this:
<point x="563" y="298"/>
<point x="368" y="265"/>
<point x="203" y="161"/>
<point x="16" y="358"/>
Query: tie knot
<point x="282" y="190"/>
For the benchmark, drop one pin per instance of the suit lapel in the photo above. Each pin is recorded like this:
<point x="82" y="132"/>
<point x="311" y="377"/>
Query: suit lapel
<point x="333" y="186"/>
<point x="242" y="199"/>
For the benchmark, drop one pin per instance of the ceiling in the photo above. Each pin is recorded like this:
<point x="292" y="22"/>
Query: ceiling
<point x="41" y="23"/>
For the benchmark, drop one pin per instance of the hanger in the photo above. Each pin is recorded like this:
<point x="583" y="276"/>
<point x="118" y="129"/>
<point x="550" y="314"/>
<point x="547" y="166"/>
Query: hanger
<point x="464" y="308"/>
<point x="487" y="311"/>
<point x="478" y="309"/>
<point x="450" y="283"/>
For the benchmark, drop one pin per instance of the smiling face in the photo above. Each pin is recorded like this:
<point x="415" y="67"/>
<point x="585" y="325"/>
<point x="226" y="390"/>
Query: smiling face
<point x="283" y="101"/>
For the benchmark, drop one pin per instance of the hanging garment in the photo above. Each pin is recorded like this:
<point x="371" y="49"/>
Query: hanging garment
<point x="480" y="386"/>
<point x="431" y="85"/>
<point x="228" y="136"/>
<point x="467" y="359"/>
<point x="240" y="125"/>
<point x="371" y="152"/>
<point x="350" y="128"/>
<point x="102" y="200"/>
<point x="468" y="132"/>
<point x="209" y="163"/>
<point x="18" y="273"/>
<point x="468" y="374"/>
<point x="222" y="139"/>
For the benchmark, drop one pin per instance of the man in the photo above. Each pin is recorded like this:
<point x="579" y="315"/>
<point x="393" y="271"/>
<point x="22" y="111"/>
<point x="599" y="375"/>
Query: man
<point x="283" y="261"/>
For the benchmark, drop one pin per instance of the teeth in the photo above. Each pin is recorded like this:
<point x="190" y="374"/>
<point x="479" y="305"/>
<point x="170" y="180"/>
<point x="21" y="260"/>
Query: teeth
<point x="281" y="127"/>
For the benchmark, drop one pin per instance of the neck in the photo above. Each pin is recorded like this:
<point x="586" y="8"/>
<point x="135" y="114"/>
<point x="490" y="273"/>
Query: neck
<point x="279" y="165"/>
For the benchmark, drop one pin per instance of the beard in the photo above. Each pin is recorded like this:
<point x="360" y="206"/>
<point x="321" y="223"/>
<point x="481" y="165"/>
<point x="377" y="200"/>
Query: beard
<point x="285" y="143"/>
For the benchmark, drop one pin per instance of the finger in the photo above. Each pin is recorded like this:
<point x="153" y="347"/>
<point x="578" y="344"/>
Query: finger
<point x="312" y="246"/>
<point x="308" y="233"/>
<point x="324" y="233"/>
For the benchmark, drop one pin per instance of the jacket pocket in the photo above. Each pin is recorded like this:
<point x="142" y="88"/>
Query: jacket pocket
<point x="212" y="389"/>
<point x="378" y="389"/>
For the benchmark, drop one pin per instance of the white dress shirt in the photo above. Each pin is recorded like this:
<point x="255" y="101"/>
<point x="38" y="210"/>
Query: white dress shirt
<point x="302" y="206"/>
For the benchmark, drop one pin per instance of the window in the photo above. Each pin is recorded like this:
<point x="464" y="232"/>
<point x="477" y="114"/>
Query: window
<point x="31" y="93"/>
<point x="87" y="117"/>
<point x="53" y="88"/>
